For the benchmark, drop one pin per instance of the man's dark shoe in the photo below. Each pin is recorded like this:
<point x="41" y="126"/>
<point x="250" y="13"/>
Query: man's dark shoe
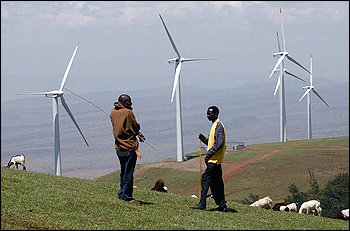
<point x="197" y="207"/>
<point x="221" y="209"/>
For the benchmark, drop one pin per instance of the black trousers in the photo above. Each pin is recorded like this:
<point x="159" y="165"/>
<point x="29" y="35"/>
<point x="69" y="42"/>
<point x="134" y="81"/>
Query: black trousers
<point x="212" y="178"/>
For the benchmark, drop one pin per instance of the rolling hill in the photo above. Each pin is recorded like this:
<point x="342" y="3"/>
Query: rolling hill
<point x="261" y="169"/>
<point x="38" y="201"/>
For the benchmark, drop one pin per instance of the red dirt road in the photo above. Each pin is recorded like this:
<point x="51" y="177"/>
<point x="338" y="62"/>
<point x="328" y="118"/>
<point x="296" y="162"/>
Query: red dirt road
<point x="231" y="169"/>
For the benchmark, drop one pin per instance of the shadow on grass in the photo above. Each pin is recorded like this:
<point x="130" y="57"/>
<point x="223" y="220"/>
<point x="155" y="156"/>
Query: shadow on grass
<point x="229" y="210"/>
<point x="145" y="203"/>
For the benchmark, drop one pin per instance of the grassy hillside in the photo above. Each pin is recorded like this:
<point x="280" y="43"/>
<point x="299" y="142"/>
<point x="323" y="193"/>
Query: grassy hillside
<point x="38" y="201"/>
<point x="262" y="169"/>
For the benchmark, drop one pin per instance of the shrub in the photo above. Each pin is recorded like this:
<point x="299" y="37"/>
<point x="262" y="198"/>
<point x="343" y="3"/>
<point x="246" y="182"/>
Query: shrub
<point x="335" y="195"/>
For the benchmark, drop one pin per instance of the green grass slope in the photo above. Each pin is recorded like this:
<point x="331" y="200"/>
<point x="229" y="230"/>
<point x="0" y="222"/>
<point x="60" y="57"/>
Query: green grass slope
<point x="40" y="201"/>
<point x="276" y="166"/>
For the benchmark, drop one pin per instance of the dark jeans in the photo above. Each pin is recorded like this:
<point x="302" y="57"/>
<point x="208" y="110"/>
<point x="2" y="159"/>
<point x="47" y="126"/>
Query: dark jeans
<point x="212" y="177"/>
<point x="127" y="167"/>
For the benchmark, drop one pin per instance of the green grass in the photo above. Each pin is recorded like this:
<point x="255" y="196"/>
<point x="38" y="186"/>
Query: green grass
<point x="40" y="201"/>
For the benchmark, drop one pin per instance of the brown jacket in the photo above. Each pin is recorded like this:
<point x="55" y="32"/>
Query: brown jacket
<point x="125" y="128"/>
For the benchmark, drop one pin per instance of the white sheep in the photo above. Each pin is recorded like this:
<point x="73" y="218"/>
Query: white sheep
<point x="284" y="208"/>
<point x="293" y="207"/>
<point x="311" y="205"/>
<point x="16" y="160"/>
<point x="263" y="203"/>
<point x="344" y="214"/>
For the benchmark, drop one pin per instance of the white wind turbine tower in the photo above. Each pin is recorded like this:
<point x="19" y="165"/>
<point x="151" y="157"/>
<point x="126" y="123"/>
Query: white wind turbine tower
<point x="55" y="94"/>
<point x="280" y="82"/>
<point x="308" y="102"/>
<point x="176" y="88"/>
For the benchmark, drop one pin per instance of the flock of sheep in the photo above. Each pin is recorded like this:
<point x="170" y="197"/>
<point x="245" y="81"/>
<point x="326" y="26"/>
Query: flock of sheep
<point x="308" y="207"/>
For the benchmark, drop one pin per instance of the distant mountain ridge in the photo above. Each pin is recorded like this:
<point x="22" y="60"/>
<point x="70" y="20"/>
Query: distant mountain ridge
<point x="250" y="114"/>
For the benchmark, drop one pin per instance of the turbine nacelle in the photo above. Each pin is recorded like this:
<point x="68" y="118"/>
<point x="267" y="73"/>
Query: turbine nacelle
<point x="280" y="54"/>
<point x="54" y="94"/>
<point x="308" y="87"/>
<point x="175" y="60"/>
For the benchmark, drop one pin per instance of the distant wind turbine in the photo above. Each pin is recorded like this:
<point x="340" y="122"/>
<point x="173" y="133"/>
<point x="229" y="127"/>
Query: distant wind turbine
<point x="280" y="83"/>
<point x="176" y="88"/>
<point x="55" y="94"/>
<point x="307" y="92"/>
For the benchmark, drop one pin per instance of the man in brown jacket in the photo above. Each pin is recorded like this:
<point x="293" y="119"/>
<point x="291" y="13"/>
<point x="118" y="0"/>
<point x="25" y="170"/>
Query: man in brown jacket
<point x="125" y="130"/>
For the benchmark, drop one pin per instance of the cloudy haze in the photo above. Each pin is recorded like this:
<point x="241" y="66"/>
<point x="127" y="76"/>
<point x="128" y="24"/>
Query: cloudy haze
<point x="123" y="45"/>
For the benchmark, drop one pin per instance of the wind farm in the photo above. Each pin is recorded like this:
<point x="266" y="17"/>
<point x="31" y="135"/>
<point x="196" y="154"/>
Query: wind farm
<point x="280" y="83"/>
<point x="131" y="55"/>
<point x="84" y="57"/>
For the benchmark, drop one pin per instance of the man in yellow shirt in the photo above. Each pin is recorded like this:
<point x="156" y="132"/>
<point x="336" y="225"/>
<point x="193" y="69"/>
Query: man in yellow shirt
<point x="212" y="177"/>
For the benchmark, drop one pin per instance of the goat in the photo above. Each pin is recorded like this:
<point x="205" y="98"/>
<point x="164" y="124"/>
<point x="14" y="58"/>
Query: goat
<point x="16" y="160"/>
<point x="293" y="207"/>
<point x="159" y="186"/>
<point x="311" y="205"/>
<point x="344" y="214"/>
<point x="263" y="203"/>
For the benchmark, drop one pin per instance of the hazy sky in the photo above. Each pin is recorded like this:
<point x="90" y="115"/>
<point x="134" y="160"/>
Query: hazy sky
<point x="124" y="46"/>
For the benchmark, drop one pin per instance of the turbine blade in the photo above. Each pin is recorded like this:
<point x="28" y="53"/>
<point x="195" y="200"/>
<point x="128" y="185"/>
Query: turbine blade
<point x="319" y="96"/>
<point x="311" y="69"/>
<point x="305" y="93"/>
<point x="171" y="40"/>
<point x="36" y="93"/>
<point x="277" y="64"/>
<point x="294" y="76"/>
<point x="87" y="101"/>
<point x="278" y="42"/>
<point x="291" y="59"/>
<point x="72" y="117"/>
<point x="176" y="80"/>
<point x="68" y="67"/>
<point x="283" y="38"/>
<point x="278" y="85"/>
<point x="195" y="59"/>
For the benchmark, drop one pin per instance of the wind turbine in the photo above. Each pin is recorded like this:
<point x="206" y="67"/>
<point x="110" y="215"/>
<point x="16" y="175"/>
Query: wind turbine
<point x="308" y="102"/>
<point x="280" y="83"/>
<point x="176" y="88"/>
<point x="55" y="94"/>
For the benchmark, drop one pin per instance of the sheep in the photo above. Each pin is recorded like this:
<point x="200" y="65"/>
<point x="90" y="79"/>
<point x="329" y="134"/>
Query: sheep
<point x="284" y="208"/>
<point x="263" y="203"/>
<point x="311" y="205"/>
<point x="159" y="186"/>
<point x="16" y="160"/>
<point x="293" y="207"/>
<point x="344" y="214"/>
<point x="277" y="206"/>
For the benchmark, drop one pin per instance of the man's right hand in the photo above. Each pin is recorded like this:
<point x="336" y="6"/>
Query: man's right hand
<point x="141" y="137"/>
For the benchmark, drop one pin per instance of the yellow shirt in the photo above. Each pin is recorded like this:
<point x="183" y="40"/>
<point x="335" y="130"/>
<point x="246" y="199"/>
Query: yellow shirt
<point x="219" y="154"/>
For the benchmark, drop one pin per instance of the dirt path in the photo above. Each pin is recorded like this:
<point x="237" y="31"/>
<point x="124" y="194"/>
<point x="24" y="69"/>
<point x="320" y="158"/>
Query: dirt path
<point x="231" y="169"/>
